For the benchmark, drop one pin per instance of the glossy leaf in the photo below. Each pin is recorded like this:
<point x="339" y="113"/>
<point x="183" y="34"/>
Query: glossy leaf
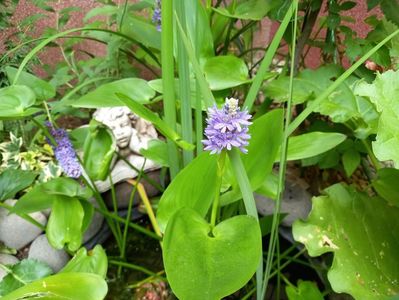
<point x="13" y="180"/>
<point x="306" y="290"/>
<point x="27" y="270"/>
<point x="105" y="95"/>
<point x="98" y="151"/>
<point x="93" y="261"/>
<point x="192" y="187"/>
<point x="248" y="10"/>
<point x="42" y="195"/>
<point x="16" y="102"/>
<point x="63" y="286"/>
<point x="42" y="89"/>
<point x="349" y="224"/>
<point x="383" y="92"/>
<point x="202" y="263"/>
<point x="157" y="151"/>
<point x="266" y="135"/>
<point x="224" y="72"/>
<point x="64" y="226"/>
<point x="386" y="185"/>
<point x="311" y="144"/>
<point x="350" y="160"/>
<point x="160" y="124"/>
<point x="142" y="31"/>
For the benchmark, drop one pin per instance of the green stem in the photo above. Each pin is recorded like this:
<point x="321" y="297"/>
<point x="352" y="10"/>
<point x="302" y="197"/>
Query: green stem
<point x="132" y="266"/>
<point x="184" y="86"/>
<point x="9" y="271"/>
<point x="168" y="81"/>
<point x="370" y="152"/>
<point x="249" y="203"/>
<point x="311" y="107"/>
<point x="283" y="160"/>
<point x="26" y="217"/>
<point x="216" y="202"/>
<point x="267" y="60"/>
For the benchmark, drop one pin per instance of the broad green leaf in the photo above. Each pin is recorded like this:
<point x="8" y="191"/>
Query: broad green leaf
<point x="157" y="151"/>
<point x="277" y="89"/>
<point x="105" y="95"/>
<point x="306" y="290"/>
<point x="42" y="195"/>
<point x="193" y="187"/>
<point x="98" y="151"/>
<point x="42" y="89"/>
<point x="224" y="72"/>
<point x="16" y="102"/>
<point x="13" y="180"/>
<point x="27" y="270"/>
<point x="93" y="261"/>
<point x="311" y="144"/>
<point x="350" y="160"/>
<point x="142" y="31"/>
<point x="204" y="35"/>
<point x="386" y="185"/>
<point x="202" y="263"/>
<point x="349" y="224"/>
<point x="160" y="124"/>
<point x="64" y="226"/>
<point x="105" y="10"/>
<point x="384" y="93"/>
<point x="248" y="10"/>
<point x="63" y="286"/>
<point x="266" y="135"/>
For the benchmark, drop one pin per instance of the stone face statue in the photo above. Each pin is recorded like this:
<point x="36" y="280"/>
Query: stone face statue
<point x="132" y="133"/>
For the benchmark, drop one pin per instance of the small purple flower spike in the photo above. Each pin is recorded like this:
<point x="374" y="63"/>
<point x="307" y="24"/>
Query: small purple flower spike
<point x="227" y="128"/>
<point x="157" y="16"/>
<point x="64" y="151"/>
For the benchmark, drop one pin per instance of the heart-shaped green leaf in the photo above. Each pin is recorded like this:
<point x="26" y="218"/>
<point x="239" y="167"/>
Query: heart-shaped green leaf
<point x="190" y="189"/>
<point x="105" y="95"/>
<point x="42" y="195"/>
<point x="65" y="224"/>
<point x="93" y="261"/>
<point x="42" y="89"/>
<point x="15" y="102"/>
<point x="63" y="286"/>
<point x="349" y="224"/>
<point x="201" y="263"/>
<point x="99" y="149"/>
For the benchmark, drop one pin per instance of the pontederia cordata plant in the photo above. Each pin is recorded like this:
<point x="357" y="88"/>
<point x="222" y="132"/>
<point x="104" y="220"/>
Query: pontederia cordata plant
<point x="246" y="133"/>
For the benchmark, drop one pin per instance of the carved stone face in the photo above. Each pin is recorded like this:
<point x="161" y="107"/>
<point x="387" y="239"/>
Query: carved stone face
<point x="122" y="129"/>
<point x="117" y="119"/>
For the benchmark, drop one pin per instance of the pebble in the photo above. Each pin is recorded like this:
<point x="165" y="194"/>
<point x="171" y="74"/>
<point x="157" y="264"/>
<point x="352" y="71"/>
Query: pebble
<point x="15" y="232"/>
<point x="6" y="259"/>
<point x="96" y="223"/>
<point x="42" y="251"/>
<point x="296" y="203"/>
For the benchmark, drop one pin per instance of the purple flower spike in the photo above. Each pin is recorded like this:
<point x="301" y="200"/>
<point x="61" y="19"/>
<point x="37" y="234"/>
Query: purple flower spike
<point x="157" y="16"/>
<point x="227" y="128"/>
<point x="64" y="152"/>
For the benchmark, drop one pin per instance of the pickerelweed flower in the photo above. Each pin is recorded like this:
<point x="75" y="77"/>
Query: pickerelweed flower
<point x="227" y="128"/>
<point x="157" y="16"/>
<point x="64" y="151"/>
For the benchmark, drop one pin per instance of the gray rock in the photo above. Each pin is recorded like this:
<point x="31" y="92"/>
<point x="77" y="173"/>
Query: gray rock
<point x="124" y="189"/>
<point x="16" y="232"/>
<point x="96" y="223"/>
<point x="42" y="251"/>
<point x="6" y="259"/>
<point x="296" y="203"/>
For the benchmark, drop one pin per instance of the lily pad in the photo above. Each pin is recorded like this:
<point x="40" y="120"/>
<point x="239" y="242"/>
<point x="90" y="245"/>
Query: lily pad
<point x="202" y="263"/>
<point x="349" y="224"/>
